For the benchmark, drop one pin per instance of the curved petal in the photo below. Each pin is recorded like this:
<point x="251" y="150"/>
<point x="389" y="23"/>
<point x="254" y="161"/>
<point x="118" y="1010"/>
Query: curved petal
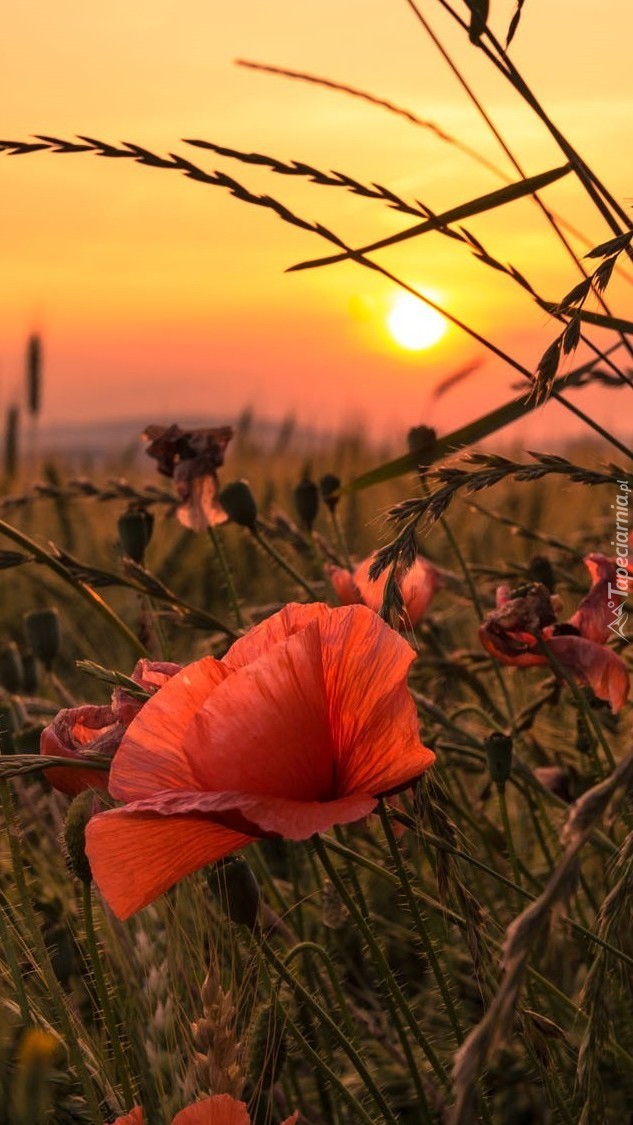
<point x="265" y="729"/>
<point x="373" y="719"/>
<point x="134" y="1117"/>
<point x="261" y="816"/>
<point x="136" y="856"/>
<point x="292" y="619"/>
<point x="514" y="648"/>
<point x="149" y="674"/>
<point x="221" y="1109"/>
<point x="152" y="754"/>
<point x="371" y="592"/>
<point x="75" y="733"/>
<point x="343" y="584"/>
<point x="202" y="508"/>
<point x="593" y="616"/>
<point x="418" y="587"/>
<point x="604" y="671"/>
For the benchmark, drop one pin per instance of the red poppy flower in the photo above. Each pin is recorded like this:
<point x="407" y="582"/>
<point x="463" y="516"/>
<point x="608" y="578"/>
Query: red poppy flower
<point x="96" y="731"/>
<point x="418" y="585"/>
<point x="191" y="458"/>
<point x="300" y="726"/>
<point x="511" y="633"/>
<point x="221" y="1109"/>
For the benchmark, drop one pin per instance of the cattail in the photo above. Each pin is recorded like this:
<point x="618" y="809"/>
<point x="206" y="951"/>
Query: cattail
<point x="12" y="442"/>
<point x="34" y="375"/>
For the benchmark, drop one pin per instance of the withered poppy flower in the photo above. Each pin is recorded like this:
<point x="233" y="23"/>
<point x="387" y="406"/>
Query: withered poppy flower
<point x="191" y="458"/>
<point x="96" y="731"/>
<point x="221" y="1109"/>
<point x="303" y="723"/>
<point x="511" y="633"/>
<point x="417" y="584"/>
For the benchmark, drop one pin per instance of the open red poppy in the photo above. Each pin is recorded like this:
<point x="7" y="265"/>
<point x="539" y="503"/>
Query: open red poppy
<point x="511" y="633"/>
<point x="92" y="731"/>
<point x="300" y="726"/>
<point x="417" y="584"/>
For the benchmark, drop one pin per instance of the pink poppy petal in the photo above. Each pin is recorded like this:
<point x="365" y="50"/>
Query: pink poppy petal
<point x="604" y="671"/>
<point x="135" y="1117"/>
<point x="593" y="616"/>
<point x="153" y="753"/>
<point x="371" y="592"/>
<point x="373" y="719"/>
<point x="418" y="587"/>
<point x="260" y="816"/>
<point x="221" y="1109"/>
<point x="265" y="729"/>
<point x="202" y="508"/>
<point x="343" y="584"/>
<point x="292" y="619"/>
<point x="136" y="856"/>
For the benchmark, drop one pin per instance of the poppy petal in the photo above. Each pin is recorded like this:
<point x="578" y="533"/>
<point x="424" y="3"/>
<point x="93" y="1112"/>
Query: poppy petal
<point x="293" y="618"/>
<point x="136" y="856"/>
<point x="248" y="812"/>
<point x="418" y="587"/>
<point x="593" y="616"/>
<point x="221" y="1109"/>
<point x="604" y="671"/>
<point x="373" y="718"/>
<point x="345" y="588"/>
<point x="265" y="729"/>
<point x="134" y="1117"/>
<point x="152" y="755"/>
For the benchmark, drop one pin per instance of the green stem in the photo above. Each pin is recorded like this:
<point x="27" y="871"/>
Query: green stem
<point x="104" y="998"/>
<point x="395" y="998"/>
<point x="226" y="574"/>
<point x="86" y="592"/>
<point x="8" y="948"/>
<point x="507" y="831"/>
<point x="285" y="565"/>
<point x="313" y="947"/>
<point x="416" y="913"/>
<point x="351" y="1052"/>
<point x="43" y="959"/>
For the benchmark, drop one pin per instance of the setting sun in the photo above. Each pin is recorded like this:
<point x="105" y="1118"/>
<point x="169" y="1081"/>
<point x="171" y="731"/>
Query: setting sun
<point x="413" y="325"/>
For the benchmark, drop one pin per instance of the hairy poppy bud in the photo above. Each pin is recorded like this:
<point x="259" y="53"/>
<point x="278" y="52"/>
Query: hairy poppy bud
<point x="420" y="439"/>
<point x="330" y="485"/>
<point x="82" y="808"/>
<point x="499" y="753"/>
<point x="234" y="883"/>
<point x="239" y="503"/>
<point x="135" y="531"/>
<point x="43" y="634"/>
<point x="267" y="1048"/>
<point x="306" y="496"/>
<point x="11" y="668"/>
<point x="540" y="570"/>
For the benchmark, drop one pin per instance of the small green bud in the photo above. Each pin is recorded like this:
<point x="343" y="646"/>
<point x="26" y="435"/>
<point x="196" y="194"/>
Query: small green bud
<point x="499" y="753"/>
<point x="11" y="668"/>
<point x="43" y="634"/>
<point x="135" y="528"/>
<point x="239" y="503"/>
<point x="233" y="882"/>
<point x="306" y="497"/>
<point x="82" y="808"/>
<point x="330" y="485"/>
<point x="267" y="1048"/>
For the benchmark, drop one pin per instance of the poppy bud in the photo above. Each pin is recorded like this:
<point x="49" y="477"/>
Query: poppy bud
<point x="330" y="485"/>
<point x="81" y="810"/>
<point x="239" y="503"/>
<point x="43" y="634"/>
<point x="11" y="669"/>
<point x="499" y="753"/>
<point x="30" y="673"/>
<point x="267" y="1048"/>
<point x="234" y="883"/>
<point x="420" y="439"/>
<point x="135" y="528"/>
<point x="540" y="570"/>
<point x="306" y="497"/>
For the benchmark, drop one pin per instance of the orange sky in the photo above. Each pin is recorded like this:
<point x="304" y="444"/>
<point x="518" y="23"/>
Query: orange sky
<point x="160" y="297"/>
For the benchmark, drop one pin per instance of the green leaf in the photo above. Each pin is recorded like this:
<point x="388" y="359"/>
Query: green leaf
<point x="477" y="206"/>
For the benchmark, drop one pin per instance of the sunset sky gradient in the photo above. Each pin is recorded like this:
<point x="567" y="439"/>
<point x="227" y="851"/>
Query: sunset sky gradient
<point x="158" y="298"/>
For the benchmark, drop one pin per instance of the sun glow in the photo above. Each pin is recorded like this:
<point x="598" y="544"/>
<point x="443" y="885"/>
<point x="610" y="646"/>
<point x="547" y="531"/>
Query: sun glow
<point x="413" y="325"/>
